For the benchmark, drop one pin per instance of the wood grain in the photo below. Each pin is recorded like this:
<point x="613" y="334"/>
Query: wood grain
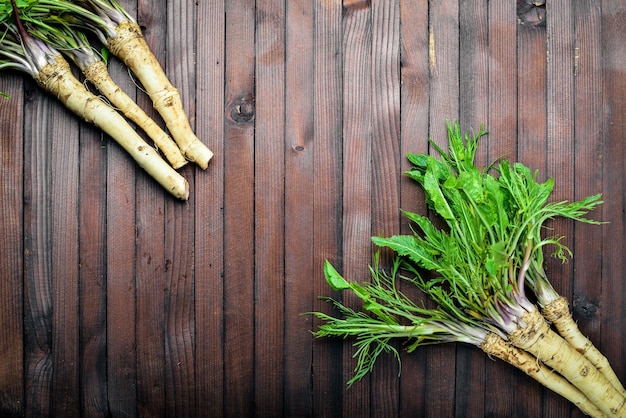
<point x="37" y="259"/>
<point x="209" y="217"/>
<point x="385" y="151"/>
<point x="531" y="142"/>
<point x="476" y="73"/>
<point x="443" y="47"/>
<point x="299" y="201"/>
<point x="151" y="263"/>
<point x="357" y="181"/>
<point x="116" y="300"/>
<point x="269" y="208"/>
<point x="179" y="232"/>
<point x="613" y="312"/>
<point x="92" y="273"/>
<point x="414" y="122"/>
<point x="588" y="110"/>
<point x="238" y="250"/>
<point x="326" y="376"/>
<point x="12" y="371"/>
<point x="121" y="355"/>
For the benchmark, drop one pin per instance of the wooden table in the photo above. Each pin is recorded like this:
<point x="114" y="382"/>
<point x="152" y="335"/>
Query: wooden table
<point x="118" y="300"/>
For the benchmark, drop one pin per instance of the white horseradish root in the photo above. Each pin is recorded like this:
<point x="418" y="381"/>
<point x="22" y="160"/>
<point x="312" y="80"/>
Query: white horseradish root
<point x="58" y="80"/>
<point x="130" y="46"/>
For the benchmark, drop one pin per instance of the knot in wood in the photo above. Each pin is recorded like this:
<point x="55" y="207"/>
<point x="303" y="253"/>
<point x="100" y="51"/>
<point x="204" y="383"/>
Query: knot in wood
<point x="531" y="12"/>
<point x="584" y="307"/>
<point x="242" y="111"/>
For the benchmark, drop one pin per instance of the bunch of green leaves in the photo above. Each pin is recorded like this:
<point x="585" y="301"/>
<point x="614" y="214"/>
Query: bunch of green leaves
<point x="49" y="9"/>
<point x="28" y="55"/>
<point x="60" y="24"/>
<point x="99" y="17"/>
<point x="389" y="315"/>
<point x="477" y="262"/>
<point x="494" y="218"/>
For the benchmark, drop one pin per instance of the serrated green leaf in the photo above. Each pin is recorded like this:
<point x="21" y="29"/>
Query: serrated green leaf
<point x="471" y="184"/>
<point x="419" y="251"/>
<point x="418" y="160"/>
<point x="433" y="189"/>
<point x="333" y="278"/>
<point x="416" y="175"/>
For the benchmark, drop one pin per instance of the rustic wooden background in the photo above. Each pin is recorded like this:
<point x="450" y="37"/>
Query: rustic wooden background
<point x="117" y="300"/>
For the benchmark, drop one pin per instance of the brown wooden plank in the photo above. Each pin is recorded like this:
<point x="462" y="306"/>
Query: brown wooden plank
<point x="385" y="151"/>
<point x="414" y="121"/>
<point x="151" y="265"/>
<point x="385" y="117"/>
<point x="121" y="253"/>
<point x="152" y="268"/>
<point x="560" y="156"/>
<point x="327" y="148"/>
<point x="269" y="211"/>
<point x="63" y="163"/>
<point x="560" y="108"/>
<point x="179" y="302"/>
<point x="239" y="210"/>
<point x="443" y="54"/>
<point x="209" y="199"/>
<point x="92" y="272"/>
<point x="532" y="134"/>
<point x="357" y="187"/>
<point x="300" y="89"/>
<point x="443" y="49"/>
<point x="588" y="120"/>
<point x="532" y="129"/>
<point x="37" y="240"/>
<point x="503" y="80"/>
<point x="474" y="91"/>
<point x="121" y="364"/>
<point x="502" y="142"/>
<point x="179" y="231"/>
<point x="614" y="131"/>
<point x="11" y="244"/>
<point x="474" y="69"/>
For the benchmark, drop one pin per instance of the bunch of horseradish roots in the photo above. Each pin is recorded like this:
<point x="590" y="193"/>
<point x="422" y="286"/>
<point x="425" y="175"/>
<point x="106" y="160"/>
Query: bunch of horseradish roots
<point x="484" y="271"/>
<point x="42" y="37"/>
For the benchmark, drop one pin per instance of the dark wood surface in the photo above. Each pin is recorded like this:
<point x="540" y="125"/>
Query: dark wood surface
<point x="117" y="300"/>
